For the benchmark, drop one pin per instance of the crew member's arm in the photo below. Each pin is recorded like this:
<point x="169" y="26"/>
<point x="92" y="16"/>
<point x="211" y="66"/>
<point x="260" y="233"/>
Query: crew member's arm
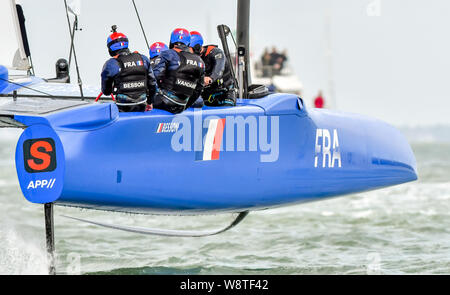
<point x="219" y="64"/>
<point x="159" y="69"/>
<point x="194" y="96"/>
<point x="197" y="92"/>
<point x="151" y="80"/>
<point x="110" y="70"/>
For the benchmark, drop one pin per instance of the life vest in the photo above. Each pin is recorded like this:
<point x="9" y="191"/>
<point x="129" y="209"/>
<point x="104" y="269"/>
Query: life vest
<point x="183" y="81"/>
<point x="132" y="79"/>
<point x="210" y="62"/>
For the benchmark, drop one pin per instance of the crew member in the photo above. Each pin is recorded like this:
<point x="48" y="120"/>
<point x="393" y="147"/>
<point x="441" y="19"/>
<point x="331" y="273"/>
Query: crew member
<point x="179" y="73"/>
<point x="127" y="75"/>
<point x="219" y="83"/>
<point x="155" y="52"/>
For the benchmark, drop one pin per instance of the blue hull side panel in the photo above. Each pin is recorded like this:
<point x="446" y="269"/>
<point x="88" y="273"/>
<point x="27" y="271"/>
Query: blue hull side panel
<point x="132" y="161"/>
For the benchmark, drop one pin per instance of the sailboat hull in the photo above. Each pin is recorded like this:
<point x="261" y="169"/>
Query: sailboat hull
<point x="261" y="154"/>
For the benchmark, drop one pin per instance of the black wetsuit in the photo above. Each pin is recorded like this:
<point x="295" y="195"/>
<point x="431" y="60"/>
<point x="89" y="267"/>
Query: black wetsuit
<point x="129" y="77"/>
<point x="180" y="75"/>
<point x="221" y="92"/>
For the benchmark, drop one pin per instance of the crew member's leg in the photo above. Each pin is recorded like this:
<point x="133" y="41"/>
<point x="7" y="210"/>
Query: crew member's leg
<point x="128" y="104"/>
<point x="220" y="97"/>
<point x="163" y="103"/>
<point x="195" y="103"/>
<point x="230" y="99"/>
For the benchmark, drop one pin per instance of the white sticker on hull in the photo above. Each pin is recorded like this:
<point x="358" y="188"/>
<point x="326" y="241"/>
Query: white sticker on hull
<point x="327" y="151"/>
<point x="44" y="183"/>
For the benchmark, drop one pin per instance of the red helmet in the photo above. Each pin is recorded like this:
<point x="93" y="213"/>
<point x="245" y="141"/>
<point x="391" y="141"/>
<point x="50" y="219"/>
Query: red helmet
<point x="116" y="41"/>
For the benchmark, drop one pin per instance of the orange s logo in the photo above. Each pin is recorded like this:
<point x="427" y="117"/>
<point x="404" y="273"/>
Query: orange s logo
<point x="39" y="155"/>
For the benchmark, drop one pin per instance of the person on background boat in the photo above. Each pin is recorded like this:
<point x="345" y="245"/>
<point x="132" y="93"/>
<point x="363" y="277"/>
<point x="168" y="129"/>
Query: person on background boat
<point x="319" y="102"/>
<point x="127" y="75"/>
<point x="180" y="74"/>
<point x="265" y="63"/>
<point x="155" y="52"/>
<point x="276" y="61"/>
<point x="219" y="83"/>
<point x="283" y="59"/>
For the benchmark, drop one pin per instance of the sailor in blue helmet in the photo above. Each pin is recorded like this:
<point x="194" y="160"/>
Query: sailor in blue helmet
<point x="155" y="51"/>
<point x="180" y="74"/>
<point x="127" y="75"/>
<point x="219" y="88"/>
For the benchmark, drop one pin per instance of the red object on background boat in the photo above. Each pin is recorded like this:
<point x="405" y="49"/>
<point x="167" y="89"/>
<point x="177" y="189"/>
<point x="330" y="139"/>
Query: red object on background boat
<point x="319" y="102"/>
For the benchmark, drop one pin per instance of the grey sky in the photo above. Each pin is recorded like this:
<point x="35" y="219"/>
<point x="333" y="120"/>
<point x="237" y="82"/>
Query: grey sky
<point x="392" y="65"/>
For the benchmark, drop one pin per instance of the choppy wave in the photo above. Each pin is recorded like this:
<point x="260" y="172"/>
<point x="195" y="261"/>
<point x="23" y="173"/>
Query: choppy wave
<point x="427" y="134"/>
<point x="19" y="256"/>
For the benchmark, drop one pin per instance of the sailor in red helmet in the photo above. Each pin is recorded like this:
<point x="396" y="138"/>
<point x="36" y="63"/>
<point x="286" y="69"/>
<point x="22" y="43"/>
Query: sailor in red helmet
<point x="127" y="75"/>
<point x="180" y="74"/>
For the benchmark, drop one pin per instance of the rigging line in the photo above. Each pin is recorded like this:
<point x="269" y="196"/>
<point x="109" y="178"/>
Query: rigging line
<point x="140" y="23"/>
<point x="72" y="41"/>
<point x="72" y="45"/>
<point x="235" y="47"/>
<point x="26" y="87"/>
<point x="234" y="41"/>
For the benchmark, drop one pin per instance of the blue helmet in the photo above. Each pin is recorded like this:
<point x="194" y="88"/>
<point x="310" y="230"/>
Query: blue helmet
<point x="181" y="36"/>
<point x="116" y="41"/>
<point x="157" y="48"/>
<point x="196" y="39"/>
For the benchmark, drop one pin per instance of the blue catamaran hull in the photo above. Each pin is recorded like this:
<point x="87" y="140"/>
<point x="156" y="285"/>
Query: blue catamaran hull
<point x="264" y="153"/>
